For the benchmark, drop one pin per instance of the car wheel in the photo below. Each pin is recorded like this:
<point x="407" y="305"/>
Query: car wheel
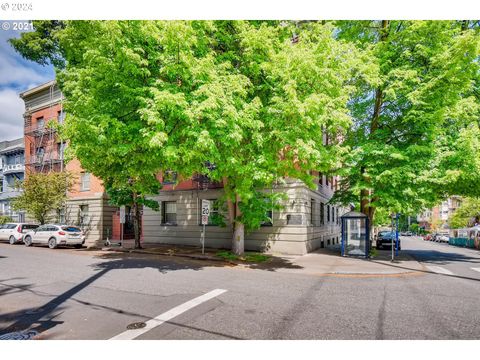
<point x="27" y="241"/>
<point x="12" y="240"/>
<point x="52" y="243"/>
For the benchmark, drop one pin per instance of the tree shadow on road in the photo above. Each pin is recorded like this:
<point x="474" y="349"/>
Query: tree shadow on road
<point x="43" y="318"/>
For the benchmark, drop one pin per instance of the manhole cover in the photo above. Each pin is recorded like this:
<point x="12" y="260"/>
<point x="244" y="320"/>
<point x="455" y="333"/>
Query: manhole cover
<point x="19" y="335"/>
<point x="136" y="325"/>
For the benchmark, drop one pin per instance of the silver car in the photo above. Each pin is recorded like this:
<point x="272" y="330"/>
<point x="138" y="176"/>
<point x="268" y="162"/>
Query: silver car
<point x="55" y="235"/>
<point x="14" y="232"/>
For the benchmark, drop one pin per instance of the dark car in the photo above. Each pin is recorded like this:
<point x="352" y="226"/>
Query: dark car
<point x="387" y="238"/>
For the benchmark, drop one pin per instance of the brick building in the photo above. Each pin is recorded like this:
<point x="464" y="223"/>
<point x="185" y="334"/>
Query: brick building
<point x="86" y="206"/>
<point x="306" y="223"/>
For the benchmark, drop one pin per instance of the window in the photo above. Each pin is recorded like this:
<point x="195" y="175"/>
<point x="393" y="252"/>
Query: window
<point x="40" y="122"/>
<point x="312" y="212"/>
<point x="85" y="181"/>
<point x="320" y="179"/>
<point x="328" y="213"/>
<point x="1" y="185"/>
<point x="61" y="117"/>
<point x="213" y="211"/>
<point x="338" y="220"/>
<point x="83" y="215"/>
<point x="61" y="216"/>
<point x="169" y="177"/>
<point x="169" y="212"/>
<point x="322" y="213"/>
<point x="333" y="214"/>
<point x="268" y="214"/>
<point x="60" y="150"/>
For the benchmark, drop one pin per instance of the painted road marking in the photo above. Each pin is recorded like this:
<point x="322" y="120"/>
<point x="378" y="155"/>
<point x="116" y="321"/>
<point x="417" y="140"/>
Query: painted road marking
<point x="476" y="269"/>
<point x="439" y="270"/>
<point x="166" y="316"/>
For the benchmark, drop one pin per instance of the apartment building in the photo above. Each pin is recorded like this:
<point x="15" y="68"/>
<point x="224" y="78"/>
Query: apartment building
<point x="306" y="222"/>
<point x="12" y="167"/>
<point x="438" y="216"/>
<point x="87" y="204"/>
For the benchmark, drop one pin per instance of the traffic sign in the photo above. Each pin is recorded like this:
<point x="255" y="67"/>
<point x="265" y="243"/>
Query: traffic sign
<point x="205" y="211"/>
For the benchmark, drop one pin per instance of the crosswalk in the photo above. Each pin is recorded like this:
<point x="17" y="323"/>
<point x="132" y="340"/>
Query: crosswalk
<point x="444" y="271"/>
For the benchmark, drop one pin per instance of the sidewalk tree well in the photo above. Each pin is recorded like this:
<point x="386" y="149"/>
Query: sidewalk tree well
<point x="427" y="76"/>
<point x="42" y="194"/>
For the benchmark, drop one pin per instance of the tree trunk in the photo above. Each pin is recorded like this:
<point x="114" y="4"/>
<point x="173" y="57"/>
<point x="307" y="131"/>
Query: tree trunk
<point x="238" y="241"/>
<point x="238" y="228"/>
<point x="136" y="222"/>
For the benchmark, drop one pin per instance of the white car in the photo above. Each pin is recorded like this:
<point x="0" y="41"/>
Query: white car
<point x="55" y="235"/>
<point x="14" y="232"/>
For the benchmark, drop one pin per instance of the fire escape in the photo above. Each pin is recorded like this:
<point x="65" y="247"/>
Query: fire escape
<point x="46" y="151"/>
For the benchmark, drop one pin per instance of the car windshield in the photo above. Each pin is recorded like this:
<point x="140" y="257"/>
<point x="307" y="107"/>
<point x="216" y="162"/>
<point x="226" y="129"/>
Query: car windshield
<point x="381" y="233"/>
<point x="71" y="229"/>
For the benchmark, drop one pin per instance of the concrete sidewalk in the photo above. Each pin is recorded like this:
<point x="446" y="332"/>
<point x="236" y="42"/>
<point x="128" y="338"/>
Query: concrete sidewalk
<point x="320" y="262"/>
<point x="328" y="262"/>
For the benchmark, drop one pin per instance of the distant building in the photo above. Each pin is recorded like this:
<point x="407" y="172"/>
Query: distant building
<point x="12" y="168"/>
<point x="439" y="216"/>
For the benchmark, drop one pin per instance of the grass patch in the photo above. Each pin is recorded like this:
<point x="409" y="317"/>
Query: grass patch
<point x="247" y="257"/>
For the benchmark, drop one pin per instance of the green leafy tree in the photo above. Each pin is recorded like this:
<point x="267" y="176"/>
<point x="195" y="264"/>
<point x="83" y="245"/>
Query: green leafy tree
<point x="468" y="214"/>
<point x="144" y="96"/>
<point x="426" y="78"/>
<point x="42" y="194"/>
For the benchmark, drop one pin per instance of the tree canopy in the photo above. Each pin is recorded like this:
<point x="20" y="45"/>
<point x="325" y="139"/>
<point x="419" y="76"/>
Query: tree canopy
<point x="42" y="194"/>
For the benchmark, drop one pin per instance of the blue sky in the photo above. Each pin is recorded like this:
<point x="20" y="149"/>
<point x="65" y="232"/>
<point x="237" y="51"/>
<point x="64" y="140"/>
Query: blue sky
<point x="16" y="75"/>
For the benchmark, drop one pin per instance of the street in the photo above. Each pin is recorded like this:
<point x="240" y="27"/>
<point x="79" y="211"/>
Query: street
<point x="71" y="294"/>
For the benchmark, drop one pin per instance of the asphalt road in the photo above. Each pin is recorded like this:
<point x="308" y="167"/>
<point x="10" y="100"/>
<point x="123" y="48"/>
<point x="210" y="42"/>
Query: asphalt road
<point x="70" y="294"/>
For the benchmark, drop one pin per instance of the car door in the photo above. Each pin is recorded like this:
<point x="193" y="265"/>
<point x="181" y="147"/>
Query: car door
<point x="39" y="234"/>
<point x="9" y="230"/>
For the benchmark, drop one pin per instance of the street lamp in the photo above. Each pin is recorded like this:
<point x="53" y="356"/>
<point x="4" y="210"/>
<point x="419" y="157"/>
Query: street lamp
<point x="355" y="234"/>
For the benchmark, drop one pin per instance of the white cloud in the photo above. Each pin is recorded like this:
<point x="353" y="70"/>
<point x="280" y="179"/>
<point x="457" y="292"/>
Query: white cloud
<point x="11" y="115"/>
<point x="12" y="72"/>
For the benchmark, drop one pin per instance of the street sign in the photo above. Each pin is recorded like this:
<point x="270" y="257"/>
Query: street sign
<point x="205" y="211"/>
<point x="122" y="214"/>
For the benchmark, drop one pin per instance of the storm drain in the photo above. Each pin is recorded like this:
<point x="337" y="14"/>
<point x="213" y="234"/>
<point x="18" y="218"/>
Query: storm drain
<point x="19" y="335"/>
<point x="136" y="325"/>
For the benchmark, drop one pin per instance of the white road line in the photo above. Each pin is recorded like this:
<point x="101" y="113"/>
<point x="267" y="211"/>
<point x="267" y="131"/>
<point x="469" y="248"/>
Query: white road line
<point x="476" y="269"/>
<point x="439" y="270"/>
<point x="166" y="316"/>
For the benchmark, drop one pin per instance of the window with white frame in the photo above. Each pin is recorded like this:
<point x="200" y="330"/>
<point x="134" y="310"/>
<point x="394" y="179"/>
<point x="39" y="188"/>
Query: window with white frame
<point x="85" y="181"/>
<point x="169" y="213"/>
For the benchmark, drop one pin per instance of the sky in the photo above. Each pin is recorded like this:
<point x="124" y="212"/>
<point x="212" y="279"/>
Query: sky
<point x="16" y="76"/>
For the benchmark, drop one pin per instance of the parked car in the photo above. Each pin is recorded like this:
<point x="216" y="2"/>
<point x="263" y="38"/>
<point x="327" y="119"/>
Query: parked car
<point x="441" y="238"/>
<point x="428" y="237"/>
<point x="55" y="235"/>
<point x="14" y="232"/>
<point x="387" y="238"/>
<point x="408" y="233"/>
